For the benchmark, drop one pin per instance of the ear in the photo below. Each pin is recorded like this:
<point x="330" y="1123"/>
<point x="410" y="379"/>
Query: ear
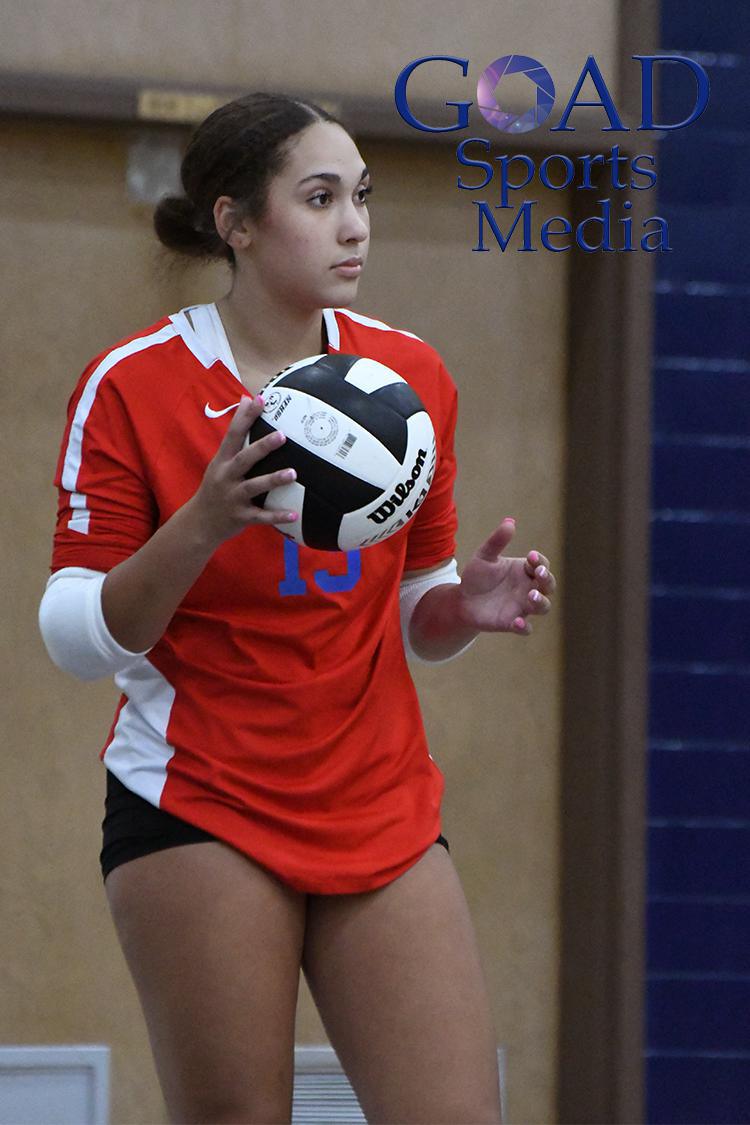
<point x="235" y="231"/>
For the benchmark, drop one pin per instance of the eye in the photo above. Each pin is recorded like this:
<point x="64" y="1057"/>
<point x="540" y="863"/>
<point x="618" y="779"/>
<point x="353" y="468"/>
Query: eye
<point x="321" y="198"/>
<point x="363" y="193"/>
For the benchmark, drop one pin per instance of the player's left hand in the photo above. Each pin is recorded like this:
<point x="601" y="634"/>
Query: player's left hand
<point x="498" y="594"/>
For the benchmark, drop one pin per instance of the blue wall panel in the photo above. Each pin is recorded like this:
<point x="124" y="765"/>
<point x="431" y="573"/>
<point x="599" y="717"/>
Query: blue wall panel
<point x="700" y="1015"/>
<point x="698" y="886"/>
<point x="697" y="1088"/>
<point x="709" y="626"/>
<point x="699" y="549"/>
<point x="695" y="232"/>
<point x="699" y="783"/>
<point x="701" y="704"/>
<point x="722" y="25"/>
<point x="701" y="401"/>
<point x="702" y="326"/>
<point x="699" y="861"/>
<point x="699" y="937"/>
<point x="711" y="173"/>
<point x="711" y="476"/>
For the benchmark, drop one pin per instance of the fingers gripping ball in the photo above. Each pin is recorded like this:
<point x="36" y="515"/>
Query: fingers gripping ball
<point x="362" y="445"/>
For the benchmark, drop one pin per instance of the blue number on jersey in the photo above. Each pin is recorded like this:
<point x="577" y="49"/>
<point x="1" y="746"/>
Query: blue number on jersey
<point x="330" y="583"/>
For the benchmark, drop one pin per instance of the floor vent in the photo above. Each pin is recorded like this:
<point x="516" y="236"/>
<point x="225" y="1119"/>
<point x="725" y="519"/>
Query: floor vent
<point x="323" y="1094"/>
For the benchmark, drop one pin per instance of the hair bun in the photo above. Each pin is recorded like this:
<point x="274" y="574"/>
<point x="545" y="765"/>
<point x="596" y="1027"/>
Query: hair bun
<point x="178" y="227"/>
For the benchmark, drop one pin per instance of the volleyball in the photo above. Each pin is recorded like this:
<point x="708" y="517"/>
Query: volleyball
<point x="361" y="443"/>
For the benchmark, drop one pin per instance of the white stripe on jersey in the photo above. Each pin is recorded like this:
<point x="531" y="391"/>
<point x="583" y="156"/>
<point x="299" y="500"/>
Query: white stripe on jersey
<point x="370" y="323"/>
<point x="139" y="751"/>
<point x="79" y="521"/>
<point x="332" y="328"/>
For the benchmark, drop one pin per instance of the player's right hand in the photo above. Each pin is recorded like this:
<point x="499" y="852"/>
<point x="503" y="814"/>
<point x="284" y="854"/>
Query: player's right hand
<point x="224" y="500"/>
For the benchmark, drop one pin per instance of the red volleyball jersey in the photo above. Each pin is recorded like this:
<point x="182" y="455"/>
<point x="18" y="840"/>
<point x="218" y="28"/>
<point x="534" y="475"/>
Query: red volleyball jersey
<point x="277" y="711"/>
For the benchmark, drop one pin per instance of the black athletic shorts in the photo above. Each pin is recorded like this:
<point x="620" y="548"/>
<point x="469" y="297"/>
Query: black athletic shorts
<point x="133" y="827"/>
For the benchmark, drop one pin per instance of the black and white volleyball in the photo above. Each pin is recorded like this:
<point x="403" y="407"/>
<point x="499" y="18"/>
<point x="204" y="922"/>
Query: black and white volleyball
<point x="361" y="443"/>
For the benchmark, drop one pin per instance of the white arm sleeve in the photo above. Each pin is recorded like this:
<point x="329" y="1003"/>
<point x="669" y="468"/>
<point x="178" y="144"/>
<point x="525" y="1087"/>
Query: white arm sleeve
<point x="411" y="591"/>
<point x="73" y="626"/>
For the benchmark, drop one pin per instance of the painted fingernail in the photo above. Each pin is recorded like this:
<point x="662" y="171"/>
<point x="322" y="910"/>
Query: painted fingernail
<point x="534" y="556"/>
<point x="542" y="571"/>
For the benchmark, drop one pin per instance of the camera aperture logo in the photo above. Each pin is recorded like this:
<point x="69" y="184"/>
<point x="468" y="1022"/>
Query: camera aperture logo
<point x="512" y="173"/>
<point x="487" y="91"/>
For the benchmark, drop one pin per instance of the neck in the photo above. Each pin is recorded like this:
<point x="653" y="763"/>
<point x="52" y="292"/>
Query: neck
<point x="264" y="334"/>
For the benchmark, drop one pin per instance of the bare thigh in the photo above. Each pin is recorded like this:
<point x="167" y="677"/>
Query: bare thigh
<point x="397" y="979"/>
<point x="213" y="942"/>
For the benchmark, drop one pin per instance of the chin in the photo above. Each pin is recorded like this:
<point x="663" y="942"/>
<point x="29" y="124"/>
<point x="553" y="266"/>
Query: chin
<point x="346" y="295"/>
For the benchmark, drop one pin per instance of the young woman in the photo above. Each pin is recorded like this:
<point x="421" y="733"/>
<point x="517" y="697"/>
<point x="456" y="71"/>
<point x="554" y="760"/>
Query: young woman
<point x="271" y="801"/>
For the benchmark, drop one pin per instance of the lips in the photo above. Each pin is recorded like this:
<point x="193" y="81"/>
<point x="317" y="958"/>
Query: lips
<point x="350" y="268"/>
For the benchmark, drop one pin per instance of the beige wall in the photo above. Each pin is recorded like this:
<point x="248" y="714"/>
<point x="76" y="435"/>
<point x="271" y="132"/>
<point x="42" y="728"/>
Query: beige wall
<point x="80" y="270"/>
<point x="345" y="46"/>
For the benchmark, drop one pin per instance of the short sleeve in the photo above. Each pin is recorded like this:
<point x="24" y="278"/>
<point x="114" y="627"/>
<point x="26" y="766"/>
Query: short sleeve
<point x="432" y="533"/>
<point x="106" y="509"/>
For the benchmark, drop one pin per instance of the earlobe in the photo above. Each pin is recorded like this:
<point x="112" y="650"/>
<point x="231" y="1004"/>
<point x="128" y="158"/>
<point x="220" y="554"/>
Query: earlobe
<point x="238" y="239"/>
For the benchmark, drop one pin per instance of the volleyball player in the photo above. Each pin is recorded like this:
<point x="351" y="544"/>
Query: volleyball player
<point x="271" y="801"/>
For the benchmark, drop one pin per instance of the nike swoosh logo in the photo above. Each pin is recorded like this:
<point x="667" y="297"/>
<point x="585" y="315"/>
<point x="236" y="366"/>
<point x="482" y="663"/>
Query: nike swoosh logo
<point x="218" y="413"/>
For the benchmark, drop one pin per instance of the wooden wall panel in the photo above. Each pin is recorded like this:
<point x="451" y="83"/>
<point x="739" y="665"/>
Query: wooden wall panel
<point x="357" y="47"/>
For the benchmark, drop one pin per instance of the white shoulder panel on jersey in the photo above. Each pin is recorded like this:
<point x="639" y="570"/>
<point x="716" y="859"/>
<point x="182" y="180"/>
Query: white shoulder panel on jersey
<point x="203" y="332"/>
<point x="332" y="328"/>
<point x="79" y="521"/>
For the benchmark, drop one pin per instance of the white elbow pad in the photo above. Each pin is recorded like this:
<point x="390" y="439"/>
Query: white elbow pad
<point x="73" y="626"/>
<point x="411" y="591"/>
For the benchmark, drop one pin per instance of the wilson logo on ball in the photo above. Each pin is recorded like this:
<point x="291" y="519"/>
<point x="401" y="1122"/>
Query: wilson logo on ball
<point x="403" y="489"/>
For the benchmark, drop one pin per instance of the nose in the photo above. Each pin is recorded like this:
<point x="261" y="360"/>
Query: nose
<point x="355" y="224"/>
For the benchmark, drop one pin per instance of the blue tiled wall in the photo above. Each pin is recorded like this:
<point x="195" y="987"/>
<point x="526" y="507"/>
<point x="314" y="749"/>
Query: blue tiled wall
<point x="698" y="916"/>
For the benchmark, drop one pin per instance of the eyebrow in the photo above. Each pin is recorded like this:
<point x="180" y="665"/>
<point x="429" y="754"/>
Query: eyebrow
<point x="332" y="177"/>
